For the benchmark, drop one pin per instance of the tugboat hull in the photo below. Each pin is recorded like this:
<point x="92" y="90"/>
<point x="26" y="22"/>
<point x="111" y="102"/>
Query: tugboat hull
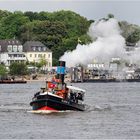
<point x="49" y="104"/>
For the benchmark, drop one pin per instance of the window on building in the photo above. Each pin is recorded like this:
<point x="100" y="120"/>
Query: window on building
<point x="39" y="48"/>
<point x="11" y="55"/>
<point x="44" y="55"/>
<point x="35" y="55"/>
<point x="15" y="55"/>
<point x="44" y="48"/>
<point x="30" y="55"/>
<point x="39" y="55"/>
<point x="34" y="48"/>
<point x="20" y="48"/>
<point x="15" y="48"/>
<point x="9" y="48"/>
<point x="49" y="55"/>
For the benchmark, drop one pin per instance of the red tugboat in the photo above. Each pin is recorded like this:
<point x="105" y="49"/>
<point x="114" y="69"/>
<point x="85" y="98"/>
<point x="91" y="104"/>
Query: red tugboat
<point x="57" y="96"/>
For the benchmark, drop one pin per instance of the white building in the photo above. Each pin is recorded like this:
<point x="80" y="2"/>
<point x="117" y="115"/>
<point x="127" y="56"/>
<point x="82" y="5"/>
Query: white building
<point x="11" y="50"/>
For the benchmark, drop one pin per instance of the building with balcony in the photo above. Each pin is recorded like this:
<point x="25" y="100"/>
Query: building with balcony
<point x="11" y="50"/>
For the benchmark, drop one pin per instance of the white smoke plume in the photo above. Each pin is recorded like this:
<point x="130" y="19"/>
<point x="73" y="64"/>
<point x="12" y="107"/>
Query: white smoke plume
<point x="109" y="44"/>
<point x="134" y="56"/>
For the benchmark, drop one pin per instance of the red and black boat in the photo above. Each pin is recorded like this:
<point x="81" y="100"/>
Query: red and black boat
<point x="57" y="96"/>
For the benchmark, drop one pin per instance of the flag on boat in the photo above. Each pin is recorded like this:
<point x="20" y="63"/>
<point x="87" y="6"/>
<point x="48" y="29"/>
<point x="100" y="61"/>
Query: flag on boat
<point x="51" y="85"/>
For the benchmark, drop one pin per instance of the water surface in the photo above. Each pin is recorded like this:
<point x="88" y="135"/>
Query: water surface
<point x="113" y="112"/>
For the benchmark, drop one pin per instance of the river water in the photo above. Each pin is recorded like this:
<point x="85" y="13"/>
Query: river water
<point x="113" y="113"/>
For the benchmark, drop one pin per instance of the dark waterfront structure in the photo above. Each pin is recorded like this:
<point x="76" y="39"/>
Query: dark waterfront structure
<point x="82" y="74"/>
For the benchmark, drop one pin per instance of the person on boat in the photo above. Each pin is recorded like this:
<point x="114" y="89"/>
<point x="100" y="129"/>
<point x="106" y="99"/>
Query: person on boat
<point x="61" y="90"/>
<point x="42" y="90"/>
<point x="72" y="96"/>
<point x="80" y="96"/>
<point x="66" y="93"/>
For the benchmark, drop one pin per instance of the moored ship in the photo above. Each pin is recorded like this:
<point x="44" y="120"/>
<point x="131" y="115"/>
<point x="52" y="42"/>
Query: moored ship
<point x="80" y="74"/>
<point x="13" y="82"/>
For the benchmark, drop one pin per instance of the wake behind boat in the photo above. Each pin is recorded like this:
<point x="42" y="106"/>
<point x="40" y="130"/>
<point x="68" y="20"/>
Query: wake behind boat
<point x="58" y="96"/>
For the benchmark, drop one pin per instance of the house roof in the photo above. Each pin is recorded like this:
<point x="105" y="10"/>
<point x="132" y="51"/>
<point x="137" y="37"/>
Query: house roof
<point x="5" y="43"/>
<point x="30" y="45"/>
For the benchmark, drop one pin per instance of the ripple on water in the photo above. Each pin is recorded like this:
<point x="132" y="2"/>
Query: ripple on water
<point x="113" y="111"/>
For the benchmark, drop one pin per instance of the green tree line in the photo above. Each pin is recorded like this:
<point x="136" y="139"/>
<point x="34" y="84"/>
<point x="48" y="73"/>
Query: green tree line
<point x="59" y="31"/>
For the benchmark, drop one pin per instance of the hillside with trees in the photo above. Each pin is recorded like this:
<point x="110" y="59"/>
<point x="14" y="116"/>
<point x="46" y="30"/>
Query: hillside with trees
<point x="59" y="31"/>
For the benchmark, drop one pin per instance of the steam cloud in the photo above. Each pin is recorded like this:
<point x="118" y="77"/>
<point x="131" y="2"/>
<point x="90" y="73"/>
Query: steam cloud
<point x="109" y="44"/>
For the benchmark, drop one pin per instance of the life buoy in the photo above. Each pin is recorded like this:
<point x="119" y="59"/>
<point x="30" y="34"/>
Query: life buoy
<point x="59" y="93"/>
<point x="57" y="80"/>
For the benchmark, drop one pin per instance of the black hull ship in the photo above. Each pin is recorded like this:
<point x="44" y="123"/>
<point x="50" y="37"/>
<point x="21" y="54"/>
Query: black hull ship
<point x="57" y="96"/>
<point x="13" y="82"/>
<point x="49" y="101"/>
<point x="110" y="80"/>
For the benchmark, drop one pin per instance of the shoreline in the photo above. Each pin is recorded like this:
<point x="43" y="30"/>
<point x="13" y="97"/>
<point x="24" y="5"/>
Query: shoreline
<point x="44" y="78"/>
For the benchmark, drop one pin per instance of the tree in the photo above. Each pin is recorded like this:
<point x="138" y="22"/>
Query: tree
<point x="110" y="16"/>
<point x="49" y="33"/>
<point x="41" y="63"/>
<point x="130" y="32"/>
<point x="3" y="70"/>
<point x="67" y="44"/>
<point x="59" y="31"/>
<point x="134" y="37"/>
<point x="18" y="69"/>
<point x="31" y="15"/>
<point x="26" y="31"/>
<point x="10" y="25"/>
<point x="85" y="39"/>
<point x="38" y="16"/>
<point x="76" y="25"/>
<point x="4" y="13"/>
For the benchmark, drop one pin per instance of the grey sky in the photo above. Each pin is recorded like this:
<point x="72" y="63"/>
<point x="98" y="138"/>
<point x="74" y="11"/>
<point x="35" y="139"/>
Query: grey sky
<point x="123" y="10"/>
